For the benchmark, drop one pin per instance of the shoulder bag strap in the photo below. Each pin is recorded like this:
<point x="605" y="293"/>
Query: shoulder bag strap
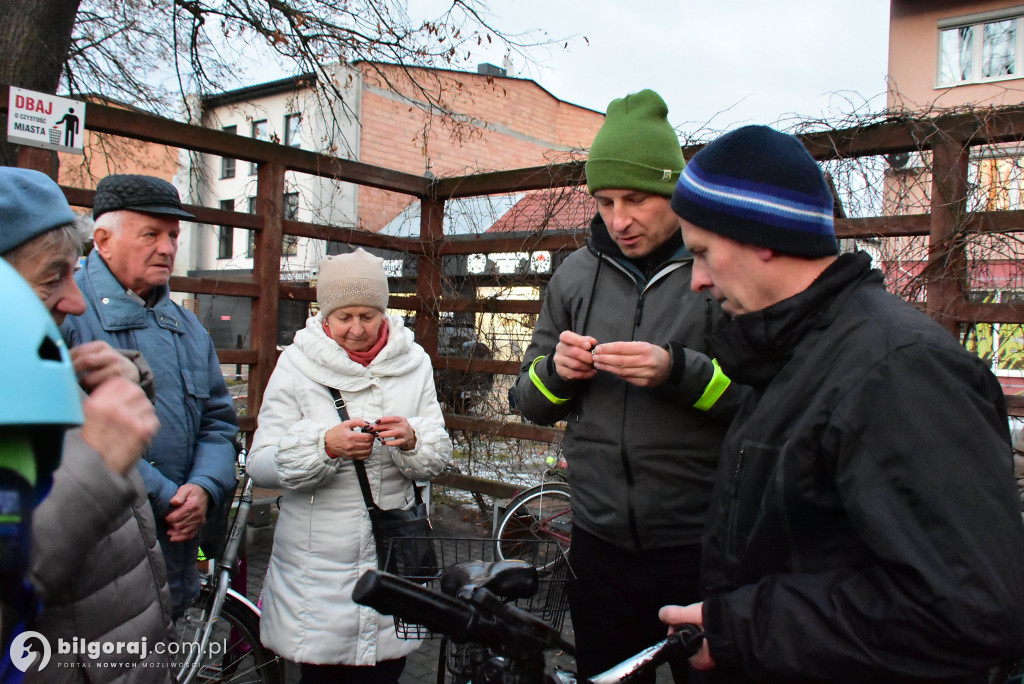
<point x="364" y="481"/>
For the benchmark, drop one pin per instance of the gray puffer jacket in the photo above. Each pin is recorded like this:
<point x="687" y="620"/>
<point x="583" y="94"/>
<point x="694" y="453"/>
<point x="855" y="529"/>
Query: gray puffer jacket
<point x="641" y="460"/>
<point x="99" y="570"/>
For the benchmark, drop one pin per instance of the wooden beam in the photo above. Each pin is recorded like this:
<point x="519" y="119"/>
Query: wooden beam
<point x="231" y="288"/>
<point x="460" y="363"/>
<point x="549" y="240"/>
<point x="236" y="356"/>
<point x="360" y="238"/>
<point x="518" y="180"/>
<point x="974" y="313"/>
<point x="478" y="485"/>
<point x="497" y="428"/>
<point x="883" y="226"/>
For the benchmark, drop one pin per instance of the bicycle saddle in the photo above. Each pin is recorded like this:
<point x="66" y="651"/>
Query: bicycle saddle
<point x="509" y="579"/>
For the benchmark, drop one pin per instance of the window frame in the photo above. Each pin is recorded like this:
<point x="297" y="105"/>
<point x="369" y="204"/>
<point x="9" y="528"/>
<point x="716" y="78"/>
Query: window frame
<point x="288" y="118"/>
<point x="250" y="247"/>
<point x="228" y="164"/>
<point x="253" y="166"/>
<point x="977" y="22"/>
<point x="226" y="234"/>
<point x="290" y="243"/>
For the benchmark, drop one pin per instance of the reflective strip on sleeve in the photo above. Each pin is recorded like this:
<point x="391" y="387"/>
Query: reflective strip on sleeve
<point x="539" y="384"/>
<point x="713" y="392"/>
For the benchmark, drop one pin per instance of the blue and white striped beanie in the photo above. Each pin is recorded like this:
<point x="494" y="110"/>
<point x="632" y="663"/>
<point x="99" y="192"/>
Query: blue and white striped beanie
<point x="761" y="187"/>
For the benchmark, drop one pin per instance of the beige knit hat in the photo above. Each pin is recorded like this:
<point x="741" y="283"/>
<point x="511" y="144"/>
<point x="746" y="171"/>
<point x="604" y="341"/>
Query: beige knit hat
<point x="354" y="279"/>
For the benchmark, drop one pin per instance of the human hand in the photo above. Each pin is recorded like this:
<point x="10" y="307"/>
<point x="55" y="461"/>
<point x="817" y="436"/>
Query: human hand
<point x="188" y="512"/>
<point x="347" y="441"/>
<point x="96" y="362"/>
<point x="119" y="423"/>
<point x="640" y="363"/>
<point x="692" y="614"/>
<point x="395" y="431"/>
<point x="573" y="360"/>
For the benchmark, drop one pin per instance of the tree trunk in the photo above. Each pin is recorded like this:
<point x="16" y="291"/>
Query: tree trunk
<point x="35" y="36"/>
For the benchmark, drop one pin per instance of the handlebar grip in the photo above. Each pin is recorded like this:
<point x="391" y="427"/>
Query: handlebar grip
<point x="393" y="595"/>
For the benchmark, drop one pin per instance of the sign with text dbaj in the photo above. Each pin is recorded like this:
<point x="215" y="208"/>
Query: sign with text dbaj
<point x="45" y="120"/>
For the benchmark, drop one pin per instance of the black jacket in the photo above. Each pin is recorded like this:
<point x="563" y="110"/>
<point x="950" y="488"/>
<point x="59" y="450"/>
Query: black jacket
<point x="865" y="525"/>
<point x="641" y="460"/>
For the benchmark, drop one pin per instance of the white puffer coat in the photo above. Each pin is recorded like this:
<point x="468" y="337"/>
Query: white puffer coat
<point x="323" y="542"/>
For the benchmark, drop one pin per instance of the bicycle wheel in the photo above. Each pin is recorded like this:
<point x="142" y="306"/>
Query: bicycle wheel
<point x="234" y="653"/>
<point x="541" y="513"/>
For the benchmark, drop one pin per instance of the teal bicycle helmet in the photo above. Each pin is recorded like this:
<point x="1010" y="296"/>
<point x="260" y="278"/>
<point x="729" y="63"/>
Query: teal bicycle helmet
<point x="39" y="400"/>
<point x="39" y="383"/>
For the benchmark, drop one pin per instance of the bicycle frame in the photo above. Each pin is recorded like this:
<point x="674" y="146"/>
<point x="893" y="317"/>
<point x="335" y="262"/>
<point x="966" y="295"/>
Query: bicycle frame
<point x="225" y="570"/>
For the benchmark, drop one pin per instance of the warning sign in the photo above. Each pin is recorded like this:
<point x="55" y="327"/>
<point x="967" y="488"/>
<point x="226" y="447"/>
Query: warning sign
<point x="45" y="120"/>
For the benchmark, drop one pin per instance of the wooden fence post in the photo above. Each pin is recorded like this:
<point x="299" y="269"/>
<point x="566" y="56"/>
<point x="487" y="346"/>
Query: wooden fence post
<point x="266" y="271"/>
<point x="428" y="280"/>
<point x="947" y="258"/>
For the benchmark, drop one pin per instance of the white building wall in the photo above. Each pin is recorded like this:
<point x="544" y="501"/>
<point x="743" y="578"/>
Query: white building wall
<point x="332" y="131"/>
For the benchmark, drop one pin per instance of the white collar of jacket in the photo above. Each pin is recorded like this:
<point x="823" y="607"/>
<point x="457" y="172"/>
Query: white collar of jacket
<point x="117" y="310"/>
<point x="322" y="360"/>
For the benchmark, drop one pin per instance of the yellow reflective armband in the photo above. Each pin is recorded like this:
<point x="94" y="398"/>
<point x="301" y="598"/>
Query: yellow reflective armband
<point x="713" y="392"/>
<point x="539" y="384"/>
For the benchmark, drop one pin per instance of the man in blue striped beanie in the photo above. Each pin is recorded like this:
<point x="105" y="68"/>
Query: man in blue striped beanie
<point x="854" y="535"/>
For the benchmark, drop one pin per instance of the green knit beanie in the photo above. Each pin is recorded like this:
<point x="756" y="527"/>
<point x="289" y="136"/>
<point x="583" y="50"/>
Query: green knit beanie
<point x="636" y="147"/>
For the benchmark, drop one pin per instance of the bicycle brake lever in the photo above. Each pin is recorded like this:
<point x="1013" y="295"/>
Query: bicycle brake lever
<point x="686" y="640"/>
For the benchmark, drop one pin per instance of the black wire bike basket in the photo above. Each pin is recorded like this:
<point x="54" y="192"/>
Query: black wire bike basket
<point x="550" y="603"/>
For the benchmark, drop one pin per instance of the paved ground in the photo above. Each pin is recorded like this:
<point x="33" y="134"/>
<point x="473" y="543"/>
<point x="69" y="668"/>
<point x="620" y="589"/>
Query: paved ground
<point x="448" y="521"/>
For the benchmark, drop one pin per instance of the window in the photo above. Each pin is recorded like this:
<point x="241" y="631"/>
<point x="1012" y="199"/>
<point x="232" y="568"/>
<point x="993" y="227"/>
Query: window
<point x="260" y="131"/>
<point x="227" y="166"/>
<point x="250" y="248"/>
<point x="981" y="47"/>
<point x="290" y="243"/>
<point x="225" y="242"/>
<point x="293" y="130"/>
<point x="291" y="206"/>
<point x="226" y="234"/>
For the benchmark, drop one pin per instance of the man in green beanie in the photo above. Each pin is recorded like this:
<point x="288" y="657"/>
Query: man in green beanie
<point x="619" y="353"/>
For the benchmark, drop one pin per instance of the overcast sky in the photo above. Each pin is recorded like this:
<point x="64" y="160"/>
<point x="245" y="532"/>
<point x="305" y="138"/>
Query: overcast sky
<point x="719" y="63"/>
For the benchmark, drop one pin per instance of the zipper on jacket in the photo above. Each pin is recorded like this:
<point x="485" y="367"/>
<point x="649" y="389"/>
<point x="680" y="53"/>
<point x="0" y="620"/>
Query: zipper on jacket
<point x="630" y="506"/>
<point x="576" y="315"/>
<point x="639" y="312"/>
<point x="734" y="495"/>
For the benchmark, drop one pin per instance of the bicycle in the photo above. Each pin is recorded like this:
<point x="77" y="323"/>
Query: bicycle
<point x="506" y="644"/>
<point x="548" y="601"/>
<point x="542" y="512"/>
<point x="219" y="635"/>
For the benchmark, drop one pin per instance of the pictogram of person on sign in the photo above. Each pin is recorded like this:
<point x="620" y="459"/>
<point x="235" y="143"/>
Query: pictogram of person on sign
<point x="70" y="122"/>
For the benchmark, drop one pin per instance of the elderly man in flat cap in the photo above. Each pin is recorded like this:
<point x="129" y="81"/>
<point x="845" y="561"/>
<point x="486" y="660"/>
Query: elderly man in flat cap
<point x="190" y="466"/>
<point x="93" y="538"/>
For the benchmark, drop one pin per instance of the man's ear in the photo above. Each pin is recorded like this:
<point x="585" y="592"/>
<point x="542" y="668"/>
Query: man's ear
<point x="764" y="253"/>
<point x="101" y="238"/>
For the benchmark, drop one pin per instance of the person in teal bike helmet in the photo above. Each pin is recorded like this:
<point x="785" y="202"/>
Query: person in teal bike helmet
<point x="39" y="401"/>
<point x="95" y="563"/>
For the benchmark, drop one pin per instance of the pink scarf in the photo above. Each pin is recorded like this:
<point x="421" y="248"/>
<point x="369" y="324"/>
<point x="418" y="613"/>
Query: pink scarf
<point x="364" y="358"/>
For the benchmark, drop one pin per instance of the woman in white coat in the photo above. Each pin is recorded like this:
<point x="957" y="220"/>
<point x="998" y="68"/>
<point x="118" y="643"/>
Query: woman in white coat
<point x="323" y="541"/>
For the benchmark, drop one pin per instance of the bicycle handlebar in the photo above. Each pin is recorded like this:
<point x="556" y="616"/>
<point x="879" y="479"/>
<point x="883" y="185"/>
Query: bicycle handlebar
<point x="479" y="617"/>
<point x="392" y="595"/>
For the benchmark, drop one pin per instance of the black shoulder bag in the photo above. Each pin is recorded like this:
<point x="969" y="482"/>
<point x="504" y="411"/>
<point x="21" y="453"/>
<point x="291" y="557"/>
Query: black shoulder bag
<point x="404" y="546"/>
